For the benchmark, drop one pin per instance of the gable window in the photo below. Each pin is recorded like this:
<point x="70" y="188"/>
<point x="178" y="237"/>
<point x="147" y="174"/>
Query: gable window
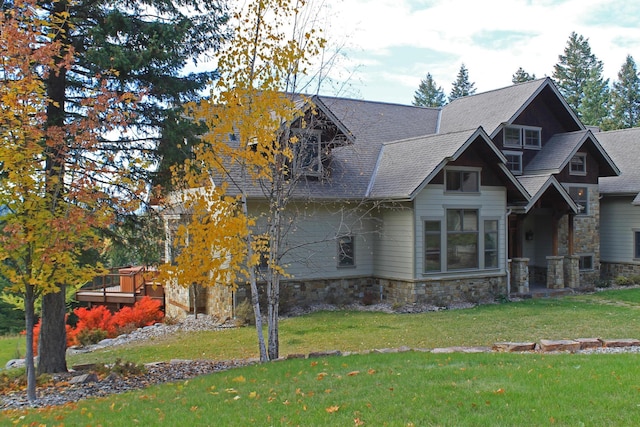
<point x="522" y="136"/>
<point x="514" y="161"/>
<point x="580" y="195"/>
<point x="585" y="262"/>
<point x="346" y="251"/>
<point x="464" y="181"/>
<point x="578" y="164"/>
<point x="491" y="243"/>
<point x="432" y="246"/>
<point x="462" y="239"/>
<point x="307" y="152"/>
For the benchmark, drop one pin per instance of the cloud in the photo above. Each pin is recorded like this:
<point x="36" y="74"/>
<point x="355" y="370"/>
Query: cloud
<point x="501" y="39"/>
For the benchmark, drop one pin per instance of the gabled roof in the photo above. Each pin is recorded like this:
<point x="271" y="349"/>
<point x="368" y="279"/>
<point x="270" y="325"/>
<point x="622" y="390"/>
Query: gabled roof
<point x="497" y="107"/>
<point x="405" y="167"/>
<point x="560" y="149"/>
<point x="538" y="185"/>
<point x="624" y="148"/>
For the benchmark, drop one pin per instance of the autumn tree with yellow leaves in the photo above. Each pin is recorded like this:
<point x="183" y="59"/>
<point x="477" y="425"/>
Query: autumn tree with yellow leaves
<point x="55" y="190"/>
<point x="247" y="154"/>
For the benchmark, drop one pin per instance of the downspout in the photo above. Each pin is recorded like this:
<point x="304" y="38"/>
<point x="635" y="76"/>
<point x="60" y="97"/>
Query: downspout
<point x="506" y="251"/>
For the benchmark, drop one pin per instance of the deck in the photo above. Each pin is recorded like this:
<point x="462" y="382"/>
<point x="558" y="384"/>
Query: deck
<point x="121" y="287"/>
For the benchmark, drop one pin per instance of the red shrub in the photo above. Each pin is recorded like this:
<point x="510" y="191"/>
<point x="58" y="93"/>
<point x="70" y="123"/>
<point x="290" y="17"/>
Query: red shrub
<point x="98" y="317"/>
<point x="143" y="313"/>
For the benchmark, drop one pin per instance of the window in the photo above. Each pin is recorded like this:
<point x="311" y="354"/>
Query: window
<point x="432" y="246"/>
<point x="578" y="164"/>
<point x="514" y="161"/>
<point x="636" y="244"/>
<point x="462" y="239"/>
<point x="346" y="251"/>
<point x="307" y="152"/>
<point x="491" y="243"/>
<point x="585" y="262"/>
<point x="580" y="195"/>
<point x="522" y="136"/>
<point x="464" y="181"/>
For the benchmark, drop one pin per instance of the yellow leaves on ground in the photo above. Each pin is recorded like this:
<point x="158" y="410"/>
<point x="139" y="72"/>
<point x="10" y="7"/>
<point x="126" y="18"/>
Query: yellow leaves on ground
<point x="332" y="409"/>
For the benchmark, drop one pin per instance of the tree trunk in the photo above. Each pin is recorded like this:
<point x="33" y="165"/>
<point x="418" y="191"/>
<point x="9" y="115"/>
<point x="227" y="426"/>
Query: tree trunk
<point x="274" y="301"/>
<point x="52" y="345"/>
<point x="29" y="301"/>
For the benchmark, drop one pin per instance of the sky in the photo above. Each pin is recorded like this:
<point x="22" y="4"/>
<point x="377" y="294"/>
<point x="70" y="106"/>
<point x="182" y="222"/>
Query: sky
<point x="387" y="46"/>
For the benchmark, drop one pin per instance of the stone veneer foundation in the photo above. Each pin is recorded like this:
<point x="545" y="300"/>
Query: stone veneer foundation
<point x="609" y="270"/>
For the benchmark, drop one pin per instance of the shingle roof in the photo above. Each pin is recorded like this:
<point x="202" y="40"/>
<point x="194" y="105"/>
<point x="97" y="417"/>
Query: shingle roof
<point x="538" y="185"/>
<point x="491" y="109"/>
<point x="404" y="165"/>
<point x="624" y="148"/>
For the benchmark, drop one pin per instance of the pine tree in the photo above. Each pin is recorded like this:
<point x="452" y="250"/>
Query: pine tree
<point x="462" y="86"/>
<point x="578" y="74"/>
<point x="126" y="46"/>
<point x="429" y="94"/>
<point x="625" y="96"/>
<point x="522" y="76"/>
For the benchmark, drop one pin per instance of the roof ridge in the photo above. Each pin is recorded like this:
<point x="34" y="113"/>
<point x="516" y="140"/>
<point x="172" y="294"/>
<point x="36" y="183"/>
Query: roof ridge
<point x="530" y="82"/>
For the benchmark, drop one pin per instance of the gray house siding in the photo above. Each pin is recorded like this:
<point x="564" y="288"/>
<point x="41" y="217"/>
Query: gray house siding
<point x="620" y="219"/>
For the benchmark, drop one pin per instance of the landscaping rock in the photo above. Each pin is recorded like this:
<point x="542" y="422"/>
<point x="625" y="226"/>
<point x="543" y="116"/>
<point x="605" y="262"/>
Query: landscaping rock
<point x="324" y="353"/>
<point x="586" y="343"/>
<point x="512" y="347"/>
<point x="84" y="379"/>
<point x="559" y="345"/>
<point x="623" y="342"/>
<point x="295" y="356"/>
<point x="84" y="367"/>
<point x="15" y="363"/>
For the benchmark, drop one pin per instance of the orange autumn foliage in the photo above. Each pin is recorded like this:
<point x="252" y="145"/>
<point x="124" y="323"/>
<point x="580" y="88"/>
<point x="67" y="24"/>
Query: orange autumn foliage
<point x="144" y="312"/>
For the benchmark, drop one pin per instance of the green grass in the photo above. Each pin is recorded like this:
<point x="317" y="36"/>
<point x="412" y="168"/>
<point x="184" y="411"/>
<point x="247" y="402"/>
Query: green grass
<point x="11" y="347"/>
<point x="401" y="389"/>
<point x="582" y="316"/>
<point x="412" y="388"/>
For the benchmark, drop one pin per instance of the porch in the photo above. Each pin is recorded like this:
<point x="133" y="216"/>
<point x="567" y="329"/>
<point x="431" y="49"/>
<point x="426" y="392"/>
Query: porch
<point x="121" y="287"/>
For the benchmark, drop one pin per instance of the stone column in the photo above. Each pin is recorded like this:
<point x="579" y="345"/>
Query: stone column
<point x="572" y="271"/>
<point x="555" y="272"/>
<point x="520" y="274"/>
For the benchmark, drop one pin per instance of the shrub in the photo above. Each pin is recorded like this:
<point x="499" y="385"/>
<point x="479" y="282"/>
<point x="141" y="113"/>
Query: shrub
<point x="87" y="337"/>
<point x="244" y="314"/>
<point x="143" y="313"/>
<point x="622" y="281"/>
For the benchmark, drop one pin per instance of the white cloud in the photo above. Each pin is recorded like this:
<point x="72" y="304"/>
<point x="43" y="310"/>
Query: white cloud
<point x="383" y="39"/>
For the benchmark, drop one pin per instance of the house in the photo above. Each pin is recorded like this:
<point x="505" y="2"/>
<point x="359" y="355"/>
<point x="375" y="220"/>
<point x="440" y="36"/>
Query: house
<point x="490" y="195"/>
<point x="620" y="206"/>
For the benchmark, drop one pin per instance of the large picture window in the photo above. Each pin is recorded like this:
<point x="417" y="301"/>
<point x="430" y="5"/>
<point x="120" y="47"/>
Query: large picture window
<point x="462" y="239"/>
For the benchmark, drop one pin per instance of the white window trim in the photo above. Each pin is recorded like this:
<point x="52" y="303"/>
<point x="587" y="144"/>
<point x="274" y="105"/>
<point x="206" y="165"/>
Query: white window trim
<point x="521" y="143"/>
<point x="584" y="162"/>
<point x="515" y="153"/>
<point x="462" y="169"/>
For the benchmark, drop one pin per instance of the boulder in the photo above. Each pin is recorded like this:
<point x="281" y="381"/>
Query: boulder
<point x="621" y="342"/>
<point x="15" y="363"/>
<point x="586" y="343"/>
<point x="84" y="379"/>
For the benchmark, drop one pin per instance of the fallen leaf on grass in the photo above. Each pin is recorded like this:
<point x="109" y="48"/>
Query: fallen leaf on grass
<point x="353" y="373"/>
<point x="332" y="409"/>
<point x="321" y="376"/>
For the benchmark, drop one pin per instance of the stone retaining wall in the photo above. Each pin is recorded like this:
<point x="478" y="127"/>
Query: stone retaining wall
<point x="609" y="270"/>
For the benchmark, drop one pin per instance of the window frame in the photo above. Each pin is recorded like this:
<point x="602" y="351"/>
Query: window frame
<point x="636" y="243"/>
<point x="496" y="250"/>
<point x="463" y="233"/>
<point x="519" y="155"/>
<point x="586" y="211"/>
<point x="578" y="172"/>
<point x="305" y="140"/>
<point x="582" y="258"/>
<point x="523" y="138"/>
<point x="460" y="171"/>
<point x="426" y="251"/>
<point x="346" y="258"/>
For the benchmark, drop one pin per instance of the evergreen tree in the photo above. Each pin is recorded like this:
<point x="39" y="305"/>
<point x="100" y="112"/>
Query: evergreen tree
<point x="625" y="96"/>
<point x="429" y="94"/>
<point x="594" y="108"/>
<point x="522" y="76"/>
<point x="462" y="86"/>
<point x="133" y="46"/>
<point x="579" y="74"/>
